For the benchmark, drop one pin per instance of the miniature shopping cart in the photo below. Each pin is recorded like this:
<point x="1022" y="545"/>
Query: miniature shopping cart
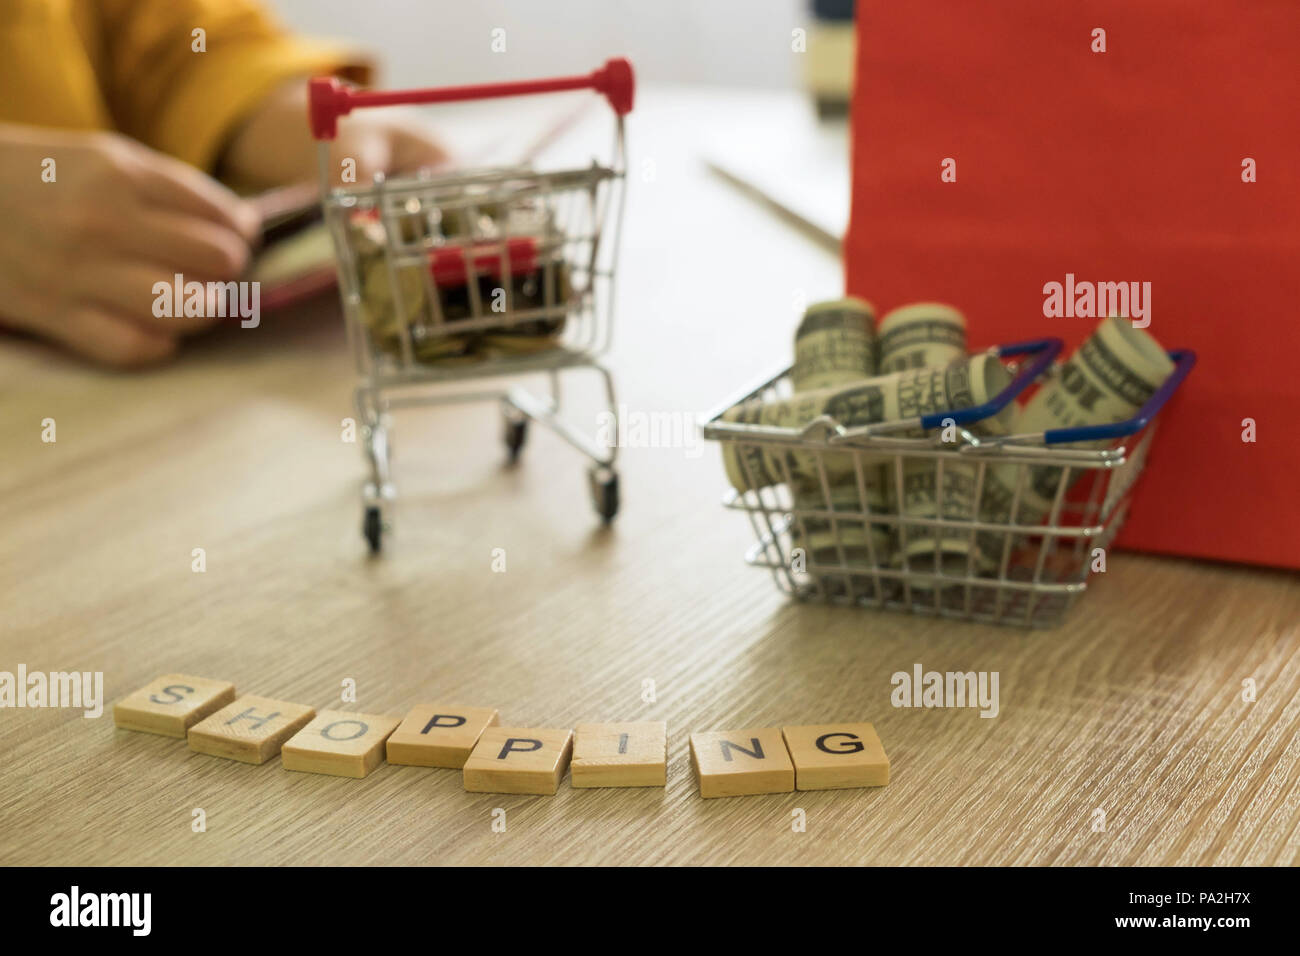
<point x="988" y="560"/>
<point x="483" y="273"/>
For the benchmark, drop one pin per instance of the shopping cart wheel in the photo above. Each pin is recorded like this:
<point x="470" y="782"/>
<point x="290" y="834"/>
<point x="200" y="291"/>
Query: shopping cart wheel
<point x="373" y="528"/>
<point x="604" y="492"/>
<point x="516" y="433"/>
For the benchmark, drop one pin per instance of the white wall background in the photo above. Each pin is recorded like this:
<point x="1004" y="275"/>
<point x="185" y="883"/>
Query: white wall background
<point x="429" y="42"/>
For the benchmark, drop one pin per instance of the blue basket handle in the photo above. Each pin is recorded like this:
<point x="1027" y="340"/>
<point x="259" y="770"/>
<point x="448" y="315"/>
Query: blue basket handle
<point x="1047" y="350"/>
<point x="1183" y="359"/>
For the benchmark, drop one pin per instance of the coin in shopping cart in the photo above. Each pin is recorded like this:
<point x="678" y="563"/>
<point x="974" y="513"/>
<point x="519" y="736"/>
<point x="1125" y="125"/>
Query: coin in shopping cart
<point x="528" y="294"/>
<point x="921" y="334"/>
<point x="380" y="279"/>
<point x="439" y="349"/>
<point x="381" y="295"/>
<point x="513" y="216"/>
<point x="458" y="304"/>
<point x="469" y="355"/>
<point x="529" y="218"/>
<point x="408" y="220"/>
<point x="835" y="343"/>
<point x="507" y="345"/>
<point x="366" y="234"/>
<point x="471" y="216"/>
<point x="429" y="344"/>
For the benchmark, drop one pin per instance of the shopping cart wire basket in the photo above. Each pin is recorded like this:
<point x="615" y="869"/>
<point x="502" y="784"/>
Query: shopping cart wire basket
<point x="962" y="559"/>
<point x="447" y="278"/>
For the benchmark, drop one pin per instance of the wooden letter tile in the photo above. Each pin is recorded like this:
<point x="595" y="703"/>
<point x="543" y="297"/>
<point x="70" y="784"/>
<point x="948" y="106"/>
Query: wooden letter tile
<point x="733" y="763"/>
<point x="252" y="729"/>
<point x="439" y="735"/>
<point x="172" y="704"/>
<point x="620" y="755"/>
<point x="340" y="743"/>
<point x="836" y="756"/>
<point x="518" y="760"/>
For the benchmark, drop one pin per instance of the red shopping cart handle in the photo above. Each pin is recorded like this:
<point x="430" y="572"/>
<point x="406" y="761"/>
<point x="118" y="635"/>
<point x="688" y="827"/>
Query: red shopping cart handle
<point x="329" y="99"/>
<point x="449" y="268"/>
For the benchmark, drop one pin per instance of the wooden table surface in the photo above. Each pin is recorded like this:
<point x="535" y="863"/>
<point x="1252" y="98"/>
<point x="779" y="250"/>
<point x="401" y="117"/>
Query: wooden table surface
<point x="1133" y="706"/>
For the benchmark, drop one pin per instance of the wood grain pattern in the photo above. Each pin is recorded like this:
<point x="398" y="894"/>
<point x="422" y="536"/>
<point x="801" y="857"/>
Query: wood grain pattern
<point x="733" y="763"/>
<point x="171" y="704"/>
<point x="251" y="729"/>
<point x="836" y="756"/>
<point x="437" y="735"/>
<point x="342" y="743"/>
<point x="1134" y="706"/>
<point x="620" y="755"/>
<point x="529" y="760"/>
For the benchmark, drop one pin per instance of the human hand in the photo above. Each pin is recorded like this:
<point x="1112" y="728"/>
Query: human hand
<point x="274" y="146"/>
<point x="79" y="255"/>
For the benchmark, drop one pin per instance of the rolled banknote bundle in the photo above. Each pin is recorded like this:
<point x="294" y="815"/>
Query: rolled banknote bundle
<point x="842" y="542"/>
<point x="956" y="559"/>
<point x="896" y="397"/>
<point x="835" y="343"/>
<point x="922" y="497"/>
<point x="957" y="549"/>
<point x="1106" y="380"/>
<point x="817" y="533"/>
<point x="919" y="335"/>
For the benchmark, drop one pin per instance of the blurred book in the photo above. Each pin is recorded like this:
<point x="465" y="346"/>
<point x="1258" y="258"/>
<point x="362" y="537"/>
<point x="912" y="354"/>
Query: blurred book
<point x="296" y="260"/>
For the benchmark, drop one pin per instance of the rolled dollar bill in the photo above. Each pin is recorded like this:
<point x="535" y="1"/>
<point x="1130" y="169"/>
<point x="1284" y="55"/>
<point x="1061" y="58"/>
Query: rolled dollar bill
<point x="815" y="532"/>
<point x="1106" y="380"/>
<point x="897" y="397"/>
<point x="956" y="559"/>
<point x="845" y="543"/>
<point x="835" y="343"/>
<point x="916" y="545"/>
<point x="920" y="335"/>
<point x="916" y="336"/>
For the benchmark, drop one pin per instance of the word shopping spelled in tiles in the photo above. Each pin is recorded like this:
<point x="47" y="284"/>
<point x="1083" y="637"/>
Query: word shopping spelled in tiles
<point x="496" y="759"/>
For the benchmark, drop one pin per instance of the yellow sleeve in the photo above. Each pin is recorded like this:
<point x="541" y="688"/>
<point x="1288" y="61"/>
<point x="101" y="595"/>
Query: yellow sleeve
<point x="184" y="94"/>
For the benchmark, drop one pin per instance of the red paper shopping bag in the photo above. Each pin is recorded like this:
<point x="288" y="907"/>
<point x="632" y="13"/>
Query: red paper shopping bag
<point x="1110" y="141"/>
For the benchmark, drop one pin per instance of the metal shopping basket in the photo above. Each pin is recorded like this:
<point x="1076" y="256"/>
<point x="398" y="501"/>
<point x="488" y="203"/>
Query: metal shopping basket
<point x="482" y="273"/>
<point x="985" y="561"/>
